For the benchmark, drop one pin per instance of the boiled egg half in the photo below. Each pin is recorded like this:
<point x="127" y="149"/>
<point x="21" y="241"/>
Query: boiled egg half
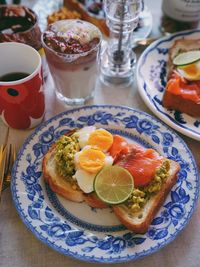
<point x="188" y="65"/>
<point x="190" y="72"/>
<point x="93" y="155"/>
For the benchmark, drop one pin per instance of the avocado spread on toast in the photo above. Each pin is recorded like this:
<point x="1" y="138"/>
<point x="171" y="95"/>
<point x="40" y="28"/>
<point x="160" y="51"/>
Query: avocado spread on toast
<point x="66" y="147"/>
<point x="141" y="195"/>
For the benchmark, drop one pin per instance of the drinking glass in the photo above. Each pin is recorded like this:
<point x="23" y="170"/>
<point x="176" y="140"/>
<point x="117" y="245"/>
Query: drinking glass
<point x="71" y="48"/>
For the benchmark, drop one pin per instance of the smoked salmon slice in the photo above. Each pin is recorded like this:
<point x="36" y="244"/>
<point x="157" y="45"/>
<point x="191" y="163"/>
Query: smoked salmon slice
<point x="182" y="95"/>
<point x="119" y="147"/>
<point x="142" y="163"/>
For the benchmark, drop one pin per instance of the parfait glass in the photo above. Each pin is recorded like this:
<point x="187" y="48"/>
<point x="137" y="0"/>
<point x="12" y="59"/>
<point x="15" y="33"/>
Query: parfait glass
<point x="117" y="59"/>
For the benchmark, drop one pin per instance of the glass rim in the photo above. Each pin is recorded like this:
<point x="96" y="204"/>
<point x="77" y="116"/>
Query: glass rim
<point x="74" y="54"/>
<point x="36" y="68"/>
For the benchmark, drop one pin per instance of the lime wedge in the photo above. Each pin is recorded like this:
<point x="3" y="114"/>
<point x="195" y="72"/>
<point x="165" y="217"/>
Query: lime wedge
<point x="113" y="184"/>
<point x="186" y="58"/>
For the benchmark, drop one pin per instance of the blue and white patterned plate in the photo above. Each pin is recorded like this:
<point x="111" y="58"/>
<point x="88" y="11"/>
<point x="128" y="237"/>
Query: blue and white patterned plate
<point x="88" y="234"/>
<point x="151" y="79"/>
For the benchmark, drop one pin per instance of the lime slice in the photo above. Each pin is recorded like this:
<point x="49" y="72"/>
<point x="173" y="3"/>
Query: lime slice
<point x="113" y="184"/>
<point x="186" y="58"/>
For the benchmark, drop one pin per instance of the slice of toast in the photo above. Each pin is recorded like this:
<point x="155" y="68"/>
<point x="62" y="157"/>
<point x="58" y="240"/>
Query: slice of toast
<point x="177" y="102"/>
<point x="139" y="222"/>
<point x="181" y="101"/>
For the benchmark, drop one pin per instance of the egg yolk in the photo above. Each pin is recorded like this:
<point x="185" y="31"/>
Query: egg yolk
<point x="92" y="160"/>
<point x="190" y="71"/>
<point x="100" y="139"/>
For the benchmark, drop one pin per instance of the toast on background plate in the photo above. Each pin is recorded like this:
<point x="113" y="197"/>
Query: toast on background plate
<point x="182" y="92"/>
<point x="91" y="12"/>
<point x="152" y="174"/>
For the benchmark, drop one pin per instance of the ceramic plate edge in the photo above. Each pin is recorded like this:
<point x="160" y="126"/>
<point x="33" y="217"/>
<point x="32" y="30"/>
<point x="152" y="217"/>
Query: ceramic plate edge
<point x="145" y="97"/>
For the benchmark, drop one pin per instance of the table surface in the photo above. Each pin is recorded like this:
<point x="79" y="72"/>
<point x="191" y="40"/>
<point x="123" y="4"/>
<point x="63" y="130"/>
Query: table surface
<point x="20" y="248"/>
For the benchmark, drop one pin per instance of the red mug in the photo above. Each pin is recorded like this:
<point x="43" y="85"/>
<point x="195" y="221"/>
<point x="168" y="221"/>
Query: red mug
<point x="22" y="103"/>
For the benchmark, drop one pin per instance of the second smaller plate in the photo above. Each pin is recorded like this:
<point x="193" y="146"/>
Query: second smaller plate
<point x="152" y="77"/>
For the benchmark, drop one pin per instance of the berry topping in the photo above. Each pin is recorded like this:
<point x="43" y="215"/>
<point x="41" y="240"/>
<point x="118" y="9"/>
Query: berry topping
<point x="71" y="37"/>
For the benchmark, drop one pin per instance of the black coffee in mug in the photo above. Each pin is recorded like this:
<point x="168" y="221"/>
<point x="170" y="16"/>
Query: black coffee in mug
<point x="13" y="76"/>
